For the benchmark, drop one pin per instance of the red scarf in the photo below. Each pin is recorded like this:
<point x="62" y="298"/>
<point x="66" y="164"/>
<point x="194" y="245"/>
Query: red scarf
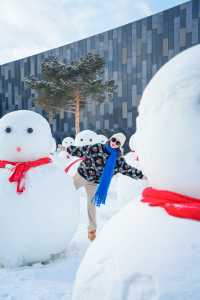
<point x="73" y="163"/>
<point x="20" y="168"/>
<point x="175" y="204"/>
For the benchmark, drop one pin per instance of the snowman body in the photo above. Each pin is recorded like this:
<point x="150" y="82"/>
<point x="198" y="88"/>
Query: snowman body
<point x="143" y="253"/>
<point x="39" y="222"/>
<point x="150" y="256"/>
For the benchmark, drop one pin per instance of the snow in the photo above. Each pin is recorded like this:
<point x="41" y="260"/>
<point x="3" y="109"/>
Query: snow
<point x="142" y="253"/>
<point x="52" y="281"/>
<point x="40" y="222"/>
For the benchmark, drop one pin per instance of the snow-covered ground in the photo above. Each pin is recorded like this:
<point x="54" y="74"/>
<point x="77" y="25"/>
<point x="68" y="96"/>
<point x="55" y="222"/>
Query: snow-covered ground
<point x="52" y="281"/>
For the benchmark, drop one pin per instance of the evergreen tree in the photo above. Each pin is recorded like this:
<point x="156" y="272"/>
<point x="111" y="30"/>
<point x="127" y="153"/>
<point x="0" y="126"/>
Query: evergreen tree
<point x="69" y="87"/>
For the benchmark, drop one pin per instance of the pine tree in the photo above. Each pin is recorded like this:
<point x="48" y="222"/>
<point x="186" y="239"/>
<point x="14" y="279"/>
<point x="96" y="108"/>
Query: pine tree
<point x="70" y="87"/>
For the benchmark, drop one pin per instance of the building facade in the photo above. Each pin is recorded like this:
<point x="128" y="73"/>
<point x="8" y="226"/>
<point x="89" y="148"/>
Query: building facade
<point x="133" y="53"/>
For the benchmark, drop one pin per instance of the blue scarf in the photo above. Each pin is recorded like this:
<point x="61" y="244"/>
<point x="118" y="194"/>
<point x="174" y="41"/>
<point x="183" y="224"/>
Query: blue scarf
<point x="102" y="189"/>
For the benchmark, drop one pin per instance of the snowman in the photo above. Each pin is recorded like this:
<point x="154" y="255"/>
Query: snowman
<point x="66" y="142"/>
<point x="124" y="188"/>
<point x="86" y="137"/>
<point x="39" y="207"/>
<point x="102" y="139"/>
<point x="132" y="157"/>
<point x="150" y="250"/>
<point x="64" y="160"/>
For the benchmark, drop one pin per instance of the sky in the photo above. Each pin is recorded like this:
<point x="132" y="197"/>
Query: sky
<point x="28" y="27"/>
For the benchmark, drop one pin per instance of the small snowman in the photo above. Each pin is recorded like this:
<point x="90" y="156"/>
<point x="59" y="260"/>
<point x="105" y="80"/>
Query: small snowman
<point x="132" y="156"/>
<point x="65" y="160"/>
<point x="151" y="249"/>
<point x="126" y="189"/>
<point x="66" y="142"/>
<point x="39" y="207"/>
<point x="102" y="139"/>
<point x="86" y="137"/>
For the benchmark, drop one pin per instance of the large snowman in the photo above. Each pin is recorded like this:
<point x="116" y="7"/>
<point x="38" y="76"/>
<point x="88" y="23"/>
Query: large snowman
<point x="151" y="249"/>
<point x="39" y="208"/>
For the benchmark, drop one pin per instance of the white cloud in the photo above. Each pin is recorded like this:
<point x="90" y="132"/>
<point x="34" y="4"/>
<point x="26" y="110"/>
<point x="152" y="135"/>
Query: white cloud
<point x="28" y="27"/>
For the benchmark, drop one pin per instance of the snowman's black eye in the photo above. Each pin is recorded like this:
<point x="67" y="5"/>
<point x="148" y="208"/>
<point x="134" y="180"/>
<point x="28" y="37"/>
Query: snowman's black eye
<point x="90" y="140"/>
<point x="81" y="140"/>
<point x="8" y="129"/>
<point x="30" y="130"/>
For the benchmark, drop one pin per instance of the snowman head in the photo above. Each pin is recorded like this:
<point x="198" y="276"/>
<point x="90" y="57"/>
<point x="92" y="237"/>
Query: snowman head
<point x="102" y="139"/>
<point x="167" y="137"/>
<point x="68" y="141"/>
<point x="86" y="137"/>
<point x="24" y="136"/>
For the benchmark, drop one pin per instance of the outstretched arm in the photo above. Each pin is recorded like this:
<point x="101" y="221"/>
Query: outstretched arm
<point x="127" y="170"/>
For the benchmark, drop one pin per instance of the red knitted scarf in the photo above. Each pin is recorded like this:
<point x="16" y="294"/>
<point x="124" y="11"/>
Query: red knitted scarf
<point x="19" y="170"/>
<point x="175" y="204"/>
<point x="73" y="163"/>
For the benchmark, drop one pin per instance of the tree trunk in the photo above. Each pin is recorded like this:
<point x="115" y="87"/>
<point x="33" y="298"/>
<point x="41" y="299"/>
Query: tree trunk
<point x="77" y="113"/>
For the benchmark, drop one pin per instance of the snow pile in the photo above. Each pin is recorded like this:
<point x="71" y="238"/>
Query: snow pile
<point x="39" y="222"/>
<point x="142" y="253"/>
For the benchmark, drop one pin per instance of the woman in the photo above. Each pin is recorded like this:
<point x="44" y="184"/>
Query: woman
<point x="100" y="162"/>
